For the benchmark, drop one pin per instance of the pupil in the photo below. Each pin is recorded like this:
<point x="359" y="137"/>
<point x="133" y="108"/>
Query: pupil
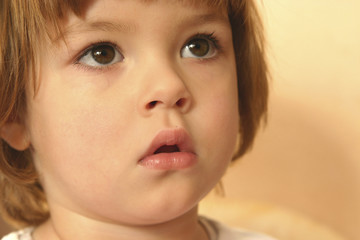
<point x="103" y="54"/>
<point x="199" y="47"/>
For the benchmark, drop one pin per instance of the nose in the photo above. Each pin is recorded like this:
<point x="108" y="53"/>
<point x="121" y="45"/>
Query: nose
<point x="163" y="87"/>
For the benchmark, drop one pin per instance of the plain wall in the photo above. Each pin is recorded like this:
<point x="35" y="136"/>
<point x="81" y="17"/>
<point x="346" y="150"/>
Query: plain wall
<point x="308" y="156"/>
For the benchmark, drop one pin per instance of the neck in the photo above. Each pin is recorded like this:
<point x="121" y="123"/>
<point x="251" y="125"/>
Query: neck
<point x="72" y="226"/>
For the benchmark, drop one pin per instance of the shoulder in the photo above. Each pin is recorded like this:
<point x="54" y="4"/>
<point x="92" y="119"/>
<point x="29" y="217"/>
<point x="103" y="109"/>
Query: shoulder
<point x="24" y="234"/>
<point x="219" y="231"/>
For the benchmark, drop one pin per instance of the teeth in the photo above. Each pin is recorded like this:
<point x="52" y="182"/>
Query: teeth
<point x="167" y="149"/>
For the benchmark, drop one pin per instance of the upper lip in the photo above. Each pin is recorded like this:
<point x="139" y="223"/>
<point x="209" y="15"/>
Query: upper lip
<point x="170" y="137"/>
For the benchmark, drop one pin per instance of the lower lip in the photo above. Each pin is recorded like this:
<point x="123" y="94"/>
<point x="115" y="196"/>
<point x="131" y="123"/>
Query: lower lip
<point x="169" y="161"/>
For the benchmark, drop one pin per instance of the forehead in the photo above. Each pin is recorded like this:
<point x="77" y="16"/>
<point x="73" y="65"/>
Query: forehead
<point x="211" y="3"/>
<point x="80" y="8"/>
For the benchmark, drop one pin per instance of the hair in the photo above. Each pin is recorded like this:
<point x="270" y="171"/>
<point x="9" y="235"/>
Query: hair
<point x="23" y="24"/>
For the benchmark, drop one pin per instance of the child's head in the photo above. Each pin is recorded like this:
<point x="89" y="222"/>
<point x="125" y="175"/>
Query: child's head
<point x="92" y="91"/>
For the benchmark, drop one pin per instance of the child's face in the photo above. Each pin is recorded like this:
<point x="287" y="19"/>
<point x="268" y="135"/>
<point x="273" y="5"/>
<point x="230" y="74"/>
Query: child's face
<point x="166" y="66"/>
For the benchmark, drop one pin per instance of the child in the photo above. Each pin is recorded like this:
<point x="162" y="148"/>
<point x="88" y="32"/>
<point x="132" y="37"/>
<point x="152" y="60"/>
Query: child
<point x="119" y="116"/>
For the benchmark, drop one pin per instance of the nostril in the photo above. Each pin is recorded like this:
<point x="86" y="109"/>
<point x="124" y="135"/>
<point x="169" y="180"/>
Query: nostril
<point x="151" y="105"/>
<point x="181" y="102"/>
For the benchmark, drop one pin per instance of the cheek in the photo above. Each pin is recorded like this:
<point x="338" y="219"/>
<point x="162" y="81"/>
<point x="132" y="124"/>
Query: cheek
<point x="220" y="106"/>
<point x="77" y="147"/>
<point x="221" y="118"/>
<point x="218" y="120"/>
<point x="71" y="134"/>
<point x="215" y="129"/>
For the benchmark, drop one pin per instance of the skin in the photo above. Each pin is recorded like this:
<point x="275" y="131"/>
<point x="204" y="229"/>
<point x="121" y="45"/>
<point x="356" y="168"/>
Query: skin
<point x="88" y="126"/>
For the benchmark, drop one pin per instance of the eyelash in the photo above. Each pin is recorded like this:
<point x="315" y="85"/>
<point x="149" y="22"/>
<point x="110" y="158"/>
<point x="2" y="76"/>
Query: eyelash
<point x="208" y="36"/>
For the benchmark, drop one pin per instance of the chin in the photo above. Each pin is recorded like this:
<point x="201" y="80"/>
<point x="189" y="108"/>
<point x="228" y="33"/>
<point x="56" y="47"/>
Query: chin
<point x="165" y="212"/>
<point x="169" y="216"/>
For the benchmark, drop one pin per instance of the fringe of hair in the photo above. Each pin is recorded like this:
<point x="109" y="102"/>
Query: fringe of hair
<point x="22" y="24"/>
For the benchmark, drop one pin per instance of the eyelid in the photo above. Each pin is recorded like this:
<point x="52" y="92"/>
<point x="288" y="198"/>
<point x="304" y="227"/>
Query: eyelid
<point x="90" y="46"/>
<point x="210" y="37"/>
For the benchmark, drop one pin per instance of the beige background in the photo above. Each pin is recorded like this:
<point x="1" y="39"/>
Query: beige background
<point x="308" y="157"/>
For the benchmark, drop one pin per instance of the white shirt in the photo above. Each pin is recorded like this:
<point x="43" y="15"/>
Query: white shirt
<point x="214" y="229"/>
<point x="219" y="231"/>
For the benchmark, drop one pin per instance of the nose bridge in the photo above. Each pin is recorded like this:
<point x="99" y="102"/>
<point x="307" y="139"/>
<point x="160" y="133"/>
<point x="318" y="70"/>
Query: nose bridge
<point x="163" y="85"/>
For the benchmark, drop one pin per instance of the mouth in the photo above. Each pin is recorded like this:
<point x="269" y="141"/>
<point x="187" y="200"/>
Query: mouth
<point x="170" y="149"/>
<point x="167" y="149"/>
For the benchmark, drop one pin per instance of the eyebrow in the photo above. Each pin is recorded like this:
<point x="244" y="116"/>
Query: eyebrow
<point x="205" y="18"/>
<point x="118" y="26"/>
<point x="104" y="26"/>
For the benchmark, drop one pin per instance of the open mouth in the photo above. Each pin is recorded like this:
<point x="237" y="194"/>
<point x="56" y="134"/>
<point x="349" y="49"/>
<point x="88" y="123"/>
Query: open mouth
<point x="169" y="141"/>
<point x="167" y="149"/>
<point x="171" y="149"/>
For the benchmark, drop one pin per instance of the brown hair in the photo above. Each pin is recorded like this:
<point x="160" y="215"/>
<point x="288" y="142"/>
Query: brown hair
<point x="23" y="24"/>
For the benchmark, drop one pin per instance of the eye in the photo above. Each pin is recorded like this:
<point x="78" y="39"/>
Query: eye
<point x="98" y="55"/>
<point x="201" y="46"/>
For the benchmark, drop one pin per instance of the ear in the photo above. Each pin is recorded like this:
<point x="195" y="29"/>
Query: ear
<point x="15" y="135"/>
